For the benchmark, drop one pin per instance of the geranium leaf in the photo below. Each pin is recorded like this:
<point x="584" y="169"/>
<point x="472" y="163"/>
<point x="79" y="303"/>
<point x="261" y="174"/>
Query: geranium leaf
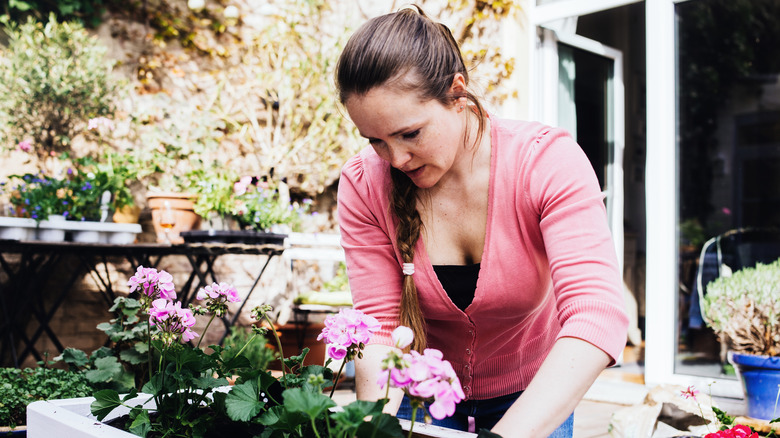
<point x="133" y="356"/>
<point x="381" y="426"/>
<point x="280" y="418"/>
<point x="354" y="413"/>
<point x="242" y="403"/>
<point x="74" y="357"/>
<point x="105" y="401"/>
<point x="106" y="369"/>
<point x="312" y="403"/>
<point x="141" y="425"/>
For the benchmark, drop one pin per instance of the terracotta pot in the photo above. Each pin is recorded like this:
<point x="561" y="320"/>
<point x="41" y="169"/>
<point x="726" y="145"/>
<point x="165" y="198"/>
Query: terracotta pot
<point x="182" y="205"/>
<point x="129" y="214"/>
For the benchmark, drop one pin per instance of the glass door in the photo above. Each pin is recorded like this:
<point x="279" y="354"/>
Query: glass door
<point x="584" y="95"/>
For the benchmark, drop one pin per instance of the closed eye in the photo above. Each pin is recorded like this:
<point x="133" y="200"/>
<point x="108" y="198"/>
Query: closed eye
<point x="411" y="135"/>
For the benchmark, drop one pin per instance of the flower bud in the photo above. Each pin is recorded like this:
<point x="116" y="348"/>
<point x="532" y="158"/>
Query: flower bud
<point x="402" y="336"/>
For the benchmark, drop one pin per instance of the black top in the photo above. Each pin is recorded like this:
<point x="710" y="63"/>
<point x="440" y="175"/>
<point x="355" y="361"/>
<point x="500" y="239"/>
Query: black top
<point x="459" y="281"/>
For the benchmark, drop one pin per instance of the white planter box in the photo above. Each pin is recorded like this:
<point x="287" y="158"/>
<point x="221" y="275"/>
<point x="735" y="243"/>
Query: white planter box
<point x="17" y="228"/>
<point x="71" y="418"/>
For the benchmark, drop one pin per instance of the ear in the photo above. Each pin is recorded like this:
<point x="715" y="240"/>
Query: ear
<point x="458" y="88"/>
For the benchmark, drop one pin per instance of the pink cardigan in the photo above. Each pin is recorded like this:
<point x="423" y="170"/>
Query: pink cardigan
<point x="548" y="269"/>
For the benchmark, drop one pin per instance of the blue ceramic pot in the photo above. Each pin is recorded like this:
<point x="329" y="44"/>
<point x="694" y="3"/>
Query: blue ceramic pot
<point x="761" y="381"/>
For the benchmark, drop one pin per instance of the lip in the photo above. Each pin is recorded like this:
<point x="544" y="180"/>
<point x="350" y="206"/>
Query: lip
<point x="414" y="172"/>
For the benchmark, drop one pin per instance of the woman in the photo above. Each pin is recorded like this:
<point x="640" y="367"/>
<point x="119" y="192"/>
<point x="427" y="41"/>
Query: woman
<point x="487" y="237"/>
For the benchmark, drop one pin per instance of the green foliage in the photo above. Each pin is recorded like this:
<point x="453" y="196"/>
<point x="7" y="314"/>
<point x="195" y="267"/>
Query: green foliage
<point x="53" y="78"/>
<point x="744" y="309"/>
<point x="123" y="366"/>
<point x="258" y="352"/>
<point x="87" y="12"/>
<point x="22" y="387"/>
<point x="91" y="178"/>
<point x="174" y="141"/>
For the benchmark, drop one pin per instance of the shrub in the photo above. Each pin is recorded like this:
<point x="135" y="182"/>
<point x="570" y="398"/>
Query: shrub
<point x="744" y="309"/>
<point x="53" y="78"/>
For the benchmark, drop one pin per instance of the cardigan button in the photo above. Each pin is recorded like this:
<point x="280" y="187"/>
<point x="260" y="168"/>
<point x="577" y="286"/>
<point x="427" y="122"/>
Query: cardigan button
<point x="468" y="352"/>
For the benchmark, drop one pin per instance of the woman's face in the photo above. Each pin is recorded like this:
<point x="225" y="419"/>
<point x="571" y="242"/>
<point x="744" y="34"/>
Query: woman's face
<point x="420" y="138"/>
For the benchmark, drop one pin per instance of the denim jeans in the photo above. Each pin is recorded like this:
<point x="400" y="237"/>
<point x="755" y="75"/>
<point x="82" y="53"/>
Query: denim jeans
<point x="486" y="414"/>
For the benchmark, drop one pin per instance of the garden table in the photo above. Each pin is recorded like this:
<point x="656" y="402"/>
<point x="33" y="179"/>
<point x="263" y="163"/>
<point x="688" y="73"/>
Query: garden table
<point x="22" y="282"/>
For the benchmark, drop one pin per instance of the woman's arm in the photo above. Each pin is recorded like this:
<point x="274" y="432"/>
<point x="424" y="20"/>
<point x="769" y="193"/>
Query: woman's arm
<point x="565" y="375"/>
<point x="366" y="377"/>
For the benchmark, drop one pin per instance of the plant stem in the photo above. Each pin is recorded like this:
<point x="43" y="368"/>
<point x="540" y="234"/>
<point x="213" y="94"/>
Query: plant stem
<point x="414" y="416"/>
<point x="203" y="335"/>
<point x="278" y="345"/>
<point x="254" y="335"/>
<point x="336" y="380"/>
<point x="149" y="349"/>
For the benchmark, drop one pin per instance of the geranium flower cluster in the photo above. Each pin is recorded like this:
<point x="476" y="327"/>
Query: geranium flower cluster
<point x="217" y="296"/>
<point x="172" y="320"/>
<point x="157" y="298"/>
<point x="738" y="431"/>
<point x="152" y="284"/>
<point x="423" y="376"/>
<point x="347" y="332"/>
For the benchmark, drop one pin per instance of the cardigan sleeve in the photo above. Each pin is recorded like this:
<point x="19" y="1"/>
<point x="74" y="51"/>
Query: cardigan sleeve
<point x="564" y="191"/>
<point x="372" y="267"/>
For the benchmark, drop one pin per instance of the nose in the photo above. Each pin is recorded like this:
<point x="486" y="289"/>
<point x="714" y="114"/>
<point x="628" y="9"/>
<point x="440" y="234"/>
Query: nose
<point x="398" y="157"/>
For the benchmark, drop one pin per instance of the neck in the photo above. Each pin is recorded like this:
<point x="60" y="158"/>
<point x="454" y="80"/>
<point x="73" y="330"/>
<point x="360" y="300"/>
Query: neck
<point x="473" y="156"/>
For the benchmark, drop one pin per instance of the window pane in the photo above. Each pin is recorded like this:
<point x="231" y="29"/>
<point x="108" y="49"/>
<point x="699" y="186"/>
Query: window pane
<point x="729" y="147"/>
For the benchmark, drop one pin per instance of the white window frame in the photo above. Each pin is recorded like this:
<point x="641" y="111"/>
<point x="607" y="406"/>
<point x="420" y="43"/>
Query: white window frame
<point x="661" y="337"/>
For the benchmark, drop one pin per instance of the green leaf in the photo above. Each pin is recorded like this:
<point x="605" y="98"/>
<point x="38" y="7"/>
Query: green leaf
<point x="106" y="370"/>
<point x="74" y="357"/>
<point x="141" y="424"/>
<point x="280" y="418"/>
<point x="382" y="426"/>
<point x="312" y="403"/>
<point x="242" y="403"/>
<point x="105" y="401"/>
<point x="354" y="413"/>
<point x="133" y="356"/>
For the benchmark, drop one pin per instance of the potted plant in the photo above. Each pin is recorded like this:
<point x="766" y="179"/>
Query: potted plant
<point x="186" y="392"/>
<point x="743" y="310"/>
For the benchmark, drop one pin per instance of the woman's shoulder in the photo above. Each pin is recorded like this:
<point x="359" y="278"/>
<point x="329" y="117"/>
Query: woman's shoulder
<point x="365" y="175"/>
<point x="524" y="133"/>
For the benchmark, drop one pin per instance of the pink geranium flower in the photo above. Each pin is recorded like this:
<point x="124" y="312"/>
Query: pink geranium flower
<point x="423" y="377"/>
<point x="350" y="329"/>
<point x="217" y="296"/>
<point x="100" y="122"/>
<point x="172" y="320"/>
<point x="152" y="284"/>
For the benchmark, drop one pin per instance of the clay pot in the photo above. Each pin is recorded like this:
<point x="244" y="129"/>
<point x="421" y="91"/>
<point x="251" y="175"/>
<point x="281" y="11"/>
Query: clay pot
<point x="182" y="205"/>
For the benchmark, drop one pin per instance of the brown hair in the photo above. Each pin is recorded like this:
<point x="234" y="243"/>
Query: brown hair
<point x="412" y="52"/>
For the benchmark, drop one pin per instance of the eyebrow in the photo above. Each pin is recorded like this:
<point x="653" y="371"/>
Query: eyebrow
<point x="393" y="134"/>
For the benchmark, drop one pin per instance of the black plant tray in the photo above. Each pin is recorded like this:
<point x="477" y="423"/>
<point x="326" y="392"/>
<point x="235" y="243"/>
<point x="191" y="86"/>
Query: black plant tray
<point x="233" y="236"/>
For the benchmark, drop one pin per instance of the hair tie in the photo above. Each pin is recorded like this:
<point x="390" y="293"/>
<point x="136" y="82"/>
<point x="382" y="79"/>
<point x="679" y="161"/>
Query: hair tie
<point x="408" y="268"/>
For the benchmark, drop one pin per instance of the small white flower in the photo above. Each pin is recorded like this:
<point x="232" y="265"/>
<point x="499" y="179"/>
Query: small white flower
<point x="196" y="5"/>
<point x="402" y="336"/>
<point x="231" y="12"/>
